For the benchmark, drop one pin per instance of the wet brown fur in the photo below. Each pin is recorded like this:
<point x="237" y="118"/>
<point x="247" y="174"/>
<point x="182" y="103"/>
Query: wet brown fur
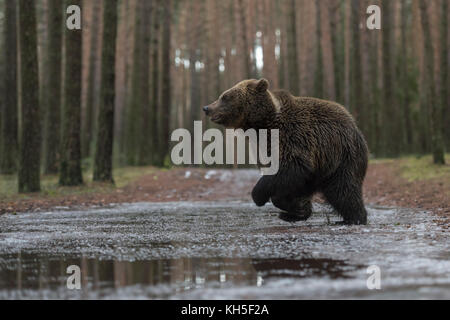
<point x="321" y="149"/>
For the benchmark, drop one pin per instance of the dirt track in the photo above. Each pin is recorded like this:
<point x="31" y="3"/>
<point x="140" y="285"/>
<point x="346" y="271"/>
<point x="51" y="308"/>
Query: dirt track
<point x="221" y="250"/>
<point x="383" y="186"/>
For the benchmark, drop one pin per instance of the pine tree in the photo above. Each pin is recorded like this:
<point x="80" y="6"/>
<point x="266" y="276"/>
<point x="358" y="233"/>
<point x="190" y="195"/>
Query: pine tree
<point x="133" y="104"/>
<point x="144" y="124"/>
<point x="437" y="142"/>
<point x="70" y="167"/>
<point x="356" y="102"/>
<point x="53" y="114"/>
<point x="166" y="91"/>
<point x="155" y="83"/>
<point x="88" y="118"/>
<point x="292" y="56"/>
<point x="105" y="134"/>
<point x="319" y="72"/>
<point x="9" y="109"/>
<point x="445" y="80"/>
<point x="30" y="137"/>
<point x="390" y="139"/>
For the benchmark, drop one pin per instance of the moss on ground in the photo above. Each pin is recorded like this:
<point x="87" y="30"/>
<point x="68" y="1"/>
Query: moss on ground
<point x="423" y="168"/>
<point x="51" y="188"/>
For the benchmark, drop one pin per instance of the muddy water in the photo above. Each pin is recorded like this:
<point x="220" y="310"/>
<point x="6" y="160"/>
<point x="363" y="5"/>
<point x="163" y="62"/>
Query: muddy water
<point x="228" y="250"/>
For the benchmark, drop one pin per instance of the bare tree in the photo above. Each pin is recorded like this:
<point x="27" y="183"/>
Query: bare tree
<point x="30" y="138"/>
<point x="105" y="131"/>
<point x="9" y="108"/>
<point x="53" y="114"/>
<point x="70" y="167"/>
<point x="431" y="99"/>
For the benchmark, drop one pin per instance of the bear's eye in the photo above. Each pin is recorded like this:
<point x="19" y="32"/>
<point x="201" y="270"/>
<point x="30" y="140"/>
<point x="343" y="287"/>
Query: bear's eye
<point x="225" y="98"/>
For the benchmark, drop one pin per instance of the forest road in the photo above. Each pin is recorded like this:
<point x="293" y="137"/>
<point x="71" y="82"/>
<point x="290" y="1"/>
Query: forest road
<point x="221" y="250"/>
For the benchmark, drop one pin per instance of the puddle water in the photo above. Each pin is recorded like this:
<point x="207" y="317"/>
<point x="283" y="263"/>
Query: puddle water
<point x="27" y="272"/>
<point x="228" y="250"/>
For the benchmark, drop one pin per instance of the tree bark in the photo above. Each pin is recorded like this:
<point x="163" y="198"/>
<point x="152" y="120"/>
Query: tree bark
<point x="70" y="168"/>
<point x="437" y="142"/>
<point x="292" y="56"/>
<point x="319" y="72"/>
<point x="405" y="61"/>
<point x="390" y="147"/>
<point x="105" y="134"/>
<point x="53" y="114"/>
<point x="145" y="149"/>
<point x="88" y="117"/>
<point x="155" y="108"/>
<point x="132" y="112"/>
<point x="166" y="92"/>
<point x="30" y="139"/>
<point x="356" y="101"/>
<point x="445" y="80"/>
<point x="9" y="109"/>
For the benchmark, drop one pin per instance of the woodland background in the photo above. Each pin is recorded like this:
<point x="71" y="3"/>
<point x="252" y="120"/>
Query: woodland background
<point x="110" y="94"/>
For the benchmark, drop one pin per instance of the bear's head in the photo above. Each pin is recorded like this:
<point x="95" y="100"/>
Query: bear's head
<point x="249" y="104"/>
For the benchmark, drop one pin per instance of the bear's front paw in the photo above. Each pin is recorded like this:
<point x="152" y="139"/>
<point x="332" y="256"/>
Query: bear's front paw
<point x="289" y="217"/>
<point x="259" y="199"/>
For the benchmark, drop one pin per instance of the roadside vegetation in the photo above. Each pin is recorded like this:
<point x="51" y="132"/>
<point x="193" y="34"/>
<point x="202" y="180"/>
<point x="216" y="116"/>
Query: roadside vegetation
<point x="51" y="188"/>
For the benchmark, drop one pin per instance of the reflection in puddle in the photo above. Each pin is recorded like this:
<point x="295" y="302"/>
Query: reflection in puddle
<point x="27" y="271"/>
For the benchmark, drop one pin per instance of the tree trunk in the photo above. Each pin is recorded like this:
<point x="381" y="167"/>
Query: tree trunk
<point x="166" y="93"/>
<point x="144" y="149"/>
<point x="405" y="61"/>
<point x="30" y="139"/>
<point x="327" y="51"/>
<point x="53" y="114"/>
<point x="88" y="117"/>
<point x="245" y="41"/>
<point x="269" y="43"/>
<point x="356" y="101"/>
<point x="319" y="72"/>
<point x="389" y="113"/>
<point x="9" y="142"/>
<point x="70" y="170"/>
<point x="445" y="83"/>
<point x="155" y="109"/>
<point x="292" y="56"/>
<point x="105" y="134"/>
<point x="437" y="142"/>
<point x="132" y="114"/>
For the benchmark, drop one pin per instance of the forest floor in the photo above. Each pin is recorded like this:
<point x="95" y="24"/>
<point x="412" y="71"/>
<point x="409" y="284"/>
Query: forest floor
<point x="408" y="182"/>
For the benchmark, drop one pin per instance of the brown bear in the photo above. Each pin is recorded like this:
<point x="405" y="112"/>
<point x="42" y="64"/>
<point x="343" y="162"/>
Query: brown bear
<point x="321" y="149"/>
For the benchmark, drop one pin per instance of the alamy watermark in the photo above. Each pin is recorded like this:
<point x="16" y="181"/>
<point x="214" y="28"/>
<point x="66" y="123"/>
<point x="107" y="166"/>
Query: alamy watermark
<point x="189" y="150"/>
<point x="73" y="21"/>
<point x="374" y="280"/>
<point x="374" y="20"/>
<point x="74" y="280"/>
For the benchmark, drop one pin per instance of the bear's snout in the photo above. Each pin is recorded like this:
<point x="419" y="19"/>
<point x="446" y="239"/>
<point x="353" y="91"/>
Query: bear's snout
<point x="209" y="109"/>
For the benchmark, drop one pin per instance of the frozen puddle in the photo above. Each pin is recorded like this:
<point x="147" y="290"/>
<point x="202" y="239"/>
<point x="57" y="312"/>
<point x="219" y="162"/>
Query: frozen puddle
<point x="222" y="250"/>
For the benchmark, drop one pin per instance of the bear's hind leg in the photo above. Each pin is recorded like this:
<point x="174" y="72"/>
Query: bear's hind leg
<point x="347" y="200"/>
<point x="296" y="209"/>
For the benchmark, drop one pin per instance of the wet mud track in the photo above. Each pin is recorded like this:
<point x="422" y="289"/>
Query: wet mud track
<point x="221" y="250"/>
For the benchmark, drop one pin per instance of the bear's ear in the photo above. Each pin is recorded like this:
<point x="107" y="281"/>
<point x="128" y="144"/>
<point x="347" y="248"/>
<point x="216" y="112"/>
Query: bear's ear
<point x="262" y="85"/>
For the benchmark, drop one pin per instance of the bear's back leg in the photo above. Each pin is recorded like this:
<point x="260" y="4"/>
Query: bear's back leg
<point x="345" y="195"/>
